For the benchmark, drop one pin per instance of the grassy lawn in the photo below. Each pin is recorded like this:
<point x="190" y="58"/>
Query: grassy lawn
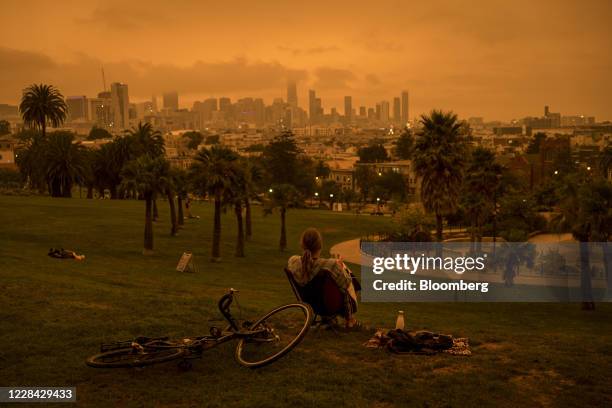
<point x="54" y="313"/>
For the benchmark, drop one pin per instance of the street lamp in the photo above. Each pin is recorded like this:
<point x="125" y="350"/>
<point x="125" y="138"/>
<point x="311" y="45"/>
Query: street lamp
<point x="316" y="194"/>
<point x="556" y="172"/>
<point x="331" y="196"/>
<point x="270" y="190"/>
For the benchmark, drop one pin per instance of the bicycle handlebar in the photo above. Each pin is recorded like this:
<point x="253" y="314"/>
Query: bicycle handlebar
<point x="224" y="307"/>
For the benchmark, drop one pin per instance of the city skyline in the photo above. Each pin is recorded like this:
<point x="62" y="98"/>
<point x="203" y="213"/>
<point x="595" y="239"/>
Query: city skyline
<point x="495" y="60"/>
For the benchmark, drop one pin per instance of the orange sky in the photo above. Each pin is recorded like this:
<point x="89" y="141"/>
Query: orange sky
<point x="497" y="59"/>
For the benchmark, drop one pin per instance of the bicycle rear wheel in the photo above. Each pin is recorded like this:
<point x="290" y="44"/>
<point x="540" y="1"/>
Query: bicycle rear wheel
<point x="128" y="357"/>
<point x="281" y="330"/>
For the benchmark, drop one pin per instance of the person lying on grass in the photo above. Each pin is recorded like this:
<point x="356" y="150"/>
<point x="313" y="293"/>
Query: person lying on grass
<point x="304" y="268"/>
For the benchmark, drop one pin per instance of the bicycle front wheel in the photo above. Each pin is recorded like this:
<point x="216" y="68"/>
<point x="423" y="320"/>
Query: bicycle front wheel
<point x="280" y="331"/>
<point x="127" y="357"/>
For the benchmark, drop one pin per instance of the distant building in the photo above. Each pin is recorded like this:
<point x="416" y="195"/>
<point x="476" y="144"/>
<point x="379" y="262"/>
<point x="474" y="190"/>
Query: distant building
<point x="77" y="108"/>
<point x="405" y="112"/>
<point x="8" y="111"/>
<point x="397" y="110"/>
<point x="315" y="109"/>
<point x="100" y="111"/>
<point x="7" y="153"/>
<point x="120" y="103"/>
<point x="292" y="98"/>
<point x="348" y="109"/>
<point x="384" y="111"/>
<point x="171" y="100"/>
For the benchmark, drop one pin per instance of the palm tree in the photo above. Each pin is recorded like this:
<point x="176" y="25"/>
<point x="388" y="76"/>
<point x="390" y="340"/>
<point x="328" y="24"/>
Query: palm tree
<point x="65" y="164"/>
<point x="29" y="157"/>
<point x="146" y="140"/>
<point x="214" y="172"/>
<point x="180" y="180"/>
<point x="282" y="197"/>
<point x="147" y="176"/>
<point x="170" y="193"/>
<point x="236" y="197"/>
<point x="481" y="182"/>
<point x="586" y="211"/>
<point x="439" y="158"/>
<point x="253" y="179"/>
<point x="109" y="162"/>
<point x="41" y="105"/>
<point x="511" y="255"/>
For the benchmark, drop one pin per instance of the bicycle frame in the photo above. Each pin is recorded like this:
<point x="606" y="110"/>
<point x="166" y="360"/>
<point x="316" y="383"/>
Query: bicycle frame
<point x="200" y="343"/>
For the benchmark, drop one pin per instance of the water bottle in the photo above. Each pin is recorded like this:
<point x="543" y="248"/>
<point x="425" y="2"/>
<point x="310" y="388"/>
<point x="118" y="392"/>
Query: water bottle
<point x="399" y="323"/>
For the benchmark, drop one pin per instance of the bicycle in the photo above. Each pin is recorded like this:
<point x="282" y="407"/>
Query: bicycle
<point x="260" y="343"/>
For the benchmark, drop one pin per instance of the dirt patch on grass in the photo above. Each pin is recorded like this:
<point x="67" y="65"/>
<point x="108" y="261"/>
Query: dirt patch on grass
<point x="85" y="305"/>
<point x="453" y="369"/>
<point x="541" y="385"/>
<point x="494" y="346"/>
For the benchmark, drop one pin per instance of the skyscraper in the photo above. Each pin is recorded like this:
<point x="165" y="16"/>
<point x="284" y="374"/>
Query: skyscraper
<point x="292" y="99"/>
<point x="312" y="106"/>
<point x="171" y="100"/>
<point x="120" y="104"/>
<point x="348" y="109"/>
<point x="404" y="108"/>
<point x="384" y="111"/>
<point x="397" y="109"/>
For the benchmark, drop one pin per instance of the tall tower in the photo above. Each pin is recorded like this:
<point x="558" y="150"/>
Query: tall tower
<point x="405" y="108"/>
<point x="171" y="100"/>
<point x="397" y="110"/>
<point x="120" y="103"/>
<point x="292" y="99"/>
<point x="348" y="109"/>
<point x="313" y="111"/>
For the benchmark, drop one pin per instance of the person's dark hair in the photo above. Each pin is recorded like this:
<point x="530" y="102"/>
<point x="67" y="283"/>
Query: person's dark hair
<point x="311" y="242"/>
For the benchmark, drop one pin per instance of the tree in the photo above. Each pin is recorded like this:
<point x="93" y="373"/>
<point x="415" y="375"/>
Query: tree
<point x="253" y="179"/>
<point x="148" y="177"/>
<point x="390" y="185"/>
<point x="195" y="138"/>
<point x="511" y="255"/>
<point x="214" y="171"/>
<point x="235" y="197"/>
<point x="365" y="177"/>
<point x="349" y="196"/>
<point x="279" y="159"/>
<point x="99" y="133"/>
<point x="329" y="191"/>
<point x="481" y="182"/>
<point x="212" y="139"/>
<point x="170" y="193"/>
<point x="109" y="162"/>
<point x="535" y="143"/>
<point x="586" y="211"/>
<point x="64" y="163"/>
<point x="374" y="153"/>
<point x="30" y="157"/>
<point x="5" y="128"/>
<point x="146" y="141"/>
<point x="282" y="197"/>
<point x="605" y="160"/>
<point x="322" y="170"/>
<point x="41" y="105"/>
<point x="439" y="160"/>
<point x="404" y="146"/>
<point x="181" y="184"/>
<point x="518" y="217"/>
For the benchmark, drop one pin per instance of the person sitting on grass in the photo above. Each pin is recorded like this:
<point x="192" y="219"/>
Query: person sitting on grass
<point x="304" y="268"/>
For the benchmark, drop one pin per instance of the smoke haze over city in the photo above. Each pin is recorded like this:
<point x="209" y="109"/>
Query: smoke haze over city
<point x="499" y="60"/>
